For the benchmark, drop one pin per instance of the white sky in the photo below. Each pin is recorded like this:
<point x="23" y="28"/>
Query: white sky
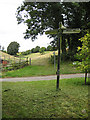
<point x="10" y="31"/>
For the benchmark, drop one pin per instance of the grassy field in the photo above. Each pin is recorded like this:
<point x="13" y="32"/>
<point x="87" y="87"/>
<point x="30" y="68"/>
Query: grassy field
<point x="40" y="70"/>
<point x="40" y="65"/>
<point x="39" y="99"/>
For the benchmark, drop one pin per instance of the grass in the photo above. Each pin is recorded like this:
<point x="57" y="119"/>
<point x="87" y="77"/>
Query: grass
<point x="7" y="56"/>
<point x="38" y="59"/>
<point x="11" y="58"/>
<point x="40" y="65"/>
<point x="40" y="70"/>
<point x="39" y="99"/>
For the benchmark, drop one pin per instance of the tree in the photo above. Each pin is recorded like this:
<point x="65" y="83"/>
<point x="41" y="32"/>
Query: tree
<point x="84" y="55"/>
<point x="3" y="48"/>
<point x="0" y="47"/>
<point x="42" y="49"/>
<point x="49" y="48"/>
<point x="75" y="18"/>
<point x="36" y="49"/>
<point x="40" y="16"/>
<point x="13" y="48"/>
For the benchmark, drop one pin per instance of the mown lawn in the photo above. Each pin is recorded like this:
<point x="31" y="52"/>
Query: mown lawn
<point x="38" y="70"/>
<point x="39" y="99"/>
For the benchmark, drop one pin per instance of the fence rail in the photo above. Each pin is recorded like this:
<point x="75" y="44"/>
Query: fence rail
<point x="11" y="63"/>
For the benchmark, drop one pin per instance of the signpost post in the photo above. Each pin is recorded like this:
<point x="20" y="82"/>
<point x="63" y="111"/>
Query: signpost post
<point x="59" y="32"/>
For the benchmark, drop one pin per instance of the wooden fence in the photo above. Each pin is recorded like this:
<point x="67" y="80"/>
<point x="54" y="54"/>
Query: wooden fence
<point x="11" y="63"/>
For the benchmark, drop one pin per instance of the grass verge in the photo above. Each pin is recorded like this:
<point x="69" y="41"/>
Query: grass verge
<point x="39" y="99"/>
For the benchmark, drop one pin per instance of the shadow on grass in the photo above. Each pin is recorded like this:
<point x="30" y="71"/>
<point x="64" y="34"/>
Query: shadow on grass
<point x="88" y="83"/>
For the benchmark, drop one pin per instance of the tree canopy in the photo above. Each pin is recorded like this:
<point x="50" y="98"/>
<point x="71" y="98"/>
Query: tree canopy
<point x="13" y="48"/>
<point x="40" y="16"/>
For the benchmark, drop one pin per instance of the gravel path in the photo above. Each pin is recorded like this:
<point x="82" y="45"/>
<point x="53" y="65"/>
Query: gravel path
<point x="51" y="77"/>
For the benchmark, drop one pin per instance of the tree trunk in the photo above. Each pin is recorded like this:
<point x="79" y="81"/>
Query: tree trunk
<point x="68" y="40"/>
<point x="85" y="76"/>
<point x="63" y="46"/>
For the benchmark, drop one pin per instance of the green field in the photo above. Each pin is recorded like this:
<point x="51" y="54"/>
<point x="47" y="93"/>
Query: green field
<point x="39" y="99"/>
<point x="40" y="70"/>
<point x="40" y="65"/>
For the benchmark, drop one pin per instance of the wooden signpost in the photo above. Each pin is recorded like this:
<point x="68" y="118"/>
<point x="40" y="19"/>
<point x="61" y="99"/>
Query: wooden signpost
<point x="59" y="32"/>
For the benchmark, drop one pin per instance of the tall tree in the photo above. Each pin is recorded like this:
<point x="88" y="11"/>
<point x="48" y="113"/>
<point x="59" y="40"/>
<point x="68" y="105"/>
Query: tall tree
<point x="46" y="15"/>
<point x="40" y="17"/>
<point x="13" y="48"/>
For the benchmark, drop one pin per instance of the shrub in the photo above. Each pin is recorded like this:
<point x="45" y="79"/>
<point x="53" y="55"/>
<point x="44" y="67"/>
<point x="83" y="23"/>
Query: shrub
<point x="84" y="55"/>
<point x="42" y="49"/>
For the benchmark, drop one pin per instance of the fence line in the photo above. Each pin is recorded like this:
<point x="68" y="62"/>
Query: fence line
<point x="14" y="62"/>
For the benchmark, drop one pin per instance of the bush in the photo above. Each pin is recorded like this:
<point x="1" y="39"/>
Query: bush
<point x="42" y="49"/>
<point x="15" y="66"/>
<point x="84" y="54"/>
<point x="64" y="57"/>
<point x="52" y="59"/>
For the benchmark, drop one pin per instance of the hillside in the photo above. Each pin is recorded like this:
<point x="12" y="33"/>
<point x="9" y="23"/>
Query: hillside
<point x="8" y="57"/>
<point x="38" y="59"/>
<point x="5" y="56"/>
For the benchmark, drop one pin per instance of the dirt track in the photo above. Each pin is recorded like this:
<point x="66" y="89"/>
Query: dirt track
<point x="51" y="77"/>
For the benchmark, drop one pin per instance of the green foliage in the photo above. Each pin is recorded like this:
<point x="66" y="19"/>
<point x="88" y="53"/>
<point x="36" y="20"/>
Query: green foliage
<point x="84" y="54"/>
<point x="42" y="49"/>
<point x="41" y="16"/>
<point x="36" y="49"/>
<point x="68" y="56"/>
<point x="51" y="60"/>
<point x="4" y="51"/>
<point x="27" y="52"/>
<point x="13" y="48"/>
<point x="49" y="48"/>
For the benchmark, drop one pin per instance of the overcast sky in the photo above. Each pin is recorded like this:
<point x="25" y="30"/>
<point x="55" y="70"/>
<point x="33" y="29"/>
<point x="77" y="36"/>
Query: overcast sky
<point x="10" y="31"/>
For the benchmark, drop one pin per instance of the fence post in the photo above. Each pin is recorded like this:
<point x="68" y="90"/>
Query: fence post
<point x="27" y="60"/>
<point x="30" y="61"/>
<point x="9" y="59"/>
<point x="19" y="60"/>
<point x="14" y="59"/>
<point x="4" y="57"/>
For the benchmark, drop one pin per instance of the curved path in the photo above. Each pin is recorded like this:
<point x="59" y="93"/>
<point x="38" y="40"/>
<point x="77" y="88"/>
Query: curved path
<point x="51" y="77"/>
